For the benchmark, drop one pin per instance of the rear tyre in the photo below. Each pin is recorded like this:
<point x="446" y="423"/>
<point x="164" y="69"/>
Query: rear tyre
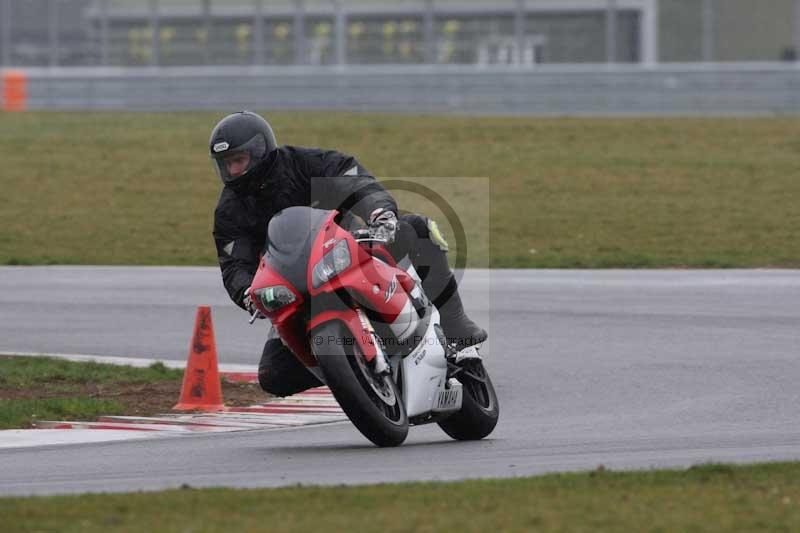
<point x="371" y="401"/>
<point x="479" y="408"/>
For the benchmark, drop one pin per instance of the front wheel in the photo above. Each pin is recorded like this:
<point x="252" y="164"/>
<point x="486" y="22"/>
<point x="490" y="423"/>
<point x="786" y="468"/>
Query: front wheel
<point x="479" y="408"/>
<point x="371" y="401"/>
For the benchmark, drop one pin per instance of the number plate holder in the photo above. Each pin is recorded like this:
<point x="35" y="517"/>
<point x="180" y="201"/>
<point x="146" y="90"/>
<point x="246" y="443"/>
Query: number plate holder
<point x="448" y="399"/>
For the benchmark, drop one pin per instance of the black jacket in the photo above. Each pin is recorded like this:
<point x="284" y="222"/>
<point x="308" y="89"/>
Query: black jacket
<point x="290" y="176"/>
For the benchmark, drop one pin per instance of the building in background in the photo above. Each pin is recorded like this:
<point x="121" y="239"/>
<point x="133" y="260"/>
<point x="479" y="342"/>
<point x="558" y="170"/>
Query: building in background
<point x="326" y="32"/>
<point x="728" y="30"/>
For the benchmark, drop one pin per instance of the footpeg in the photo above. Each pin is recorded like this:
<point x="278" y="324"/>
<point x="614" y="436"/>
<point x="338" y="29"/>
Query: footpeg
<point x="470" y="353"/>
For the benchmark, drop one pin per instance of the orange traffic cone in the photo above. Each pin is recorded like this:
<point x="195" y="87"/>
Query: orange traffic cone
<point x="201" y="387"/>
<point x="15" y="91"/>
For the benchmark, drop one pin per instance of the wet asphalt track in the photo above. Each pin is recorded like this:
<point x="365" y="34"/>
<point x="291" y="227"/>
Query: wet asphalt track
<point x="629" y="369"/>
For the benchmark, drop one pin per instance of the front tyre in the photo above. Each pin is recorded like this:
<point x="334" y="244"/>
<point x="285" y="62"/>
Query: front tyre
<point x="479" y="408"/>
<point x="371" y="401"/>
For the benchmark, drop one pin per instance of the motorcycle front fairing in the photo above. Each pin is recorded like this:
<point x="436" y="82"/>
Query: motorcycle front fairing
<point x="287" y="320"/>
<point x="414" y="341"/>
<point x="335" y="278"/>
<point x="284" y="262"/>
<point x="298" y="238"/>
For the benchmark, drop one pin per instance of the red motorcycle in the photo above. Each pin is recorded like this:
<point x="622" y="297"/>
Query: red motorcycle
<point x="363" y="325"/>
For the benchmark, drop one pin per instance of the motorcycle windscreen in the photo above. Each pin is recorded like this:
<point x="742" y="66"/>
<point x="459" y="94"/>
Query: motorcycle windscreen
<point x="290" y="235"/>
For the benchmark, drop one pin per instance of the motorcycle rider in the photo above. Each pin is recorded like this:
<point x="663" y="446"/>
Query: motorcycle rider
<point x="260" y="179"/>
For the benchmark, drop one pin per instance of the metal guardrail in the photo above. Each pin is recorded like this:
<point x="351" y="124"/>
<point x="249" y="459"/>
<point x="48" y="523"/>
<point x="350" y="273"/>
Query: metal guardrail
<point x="678" y="89"/>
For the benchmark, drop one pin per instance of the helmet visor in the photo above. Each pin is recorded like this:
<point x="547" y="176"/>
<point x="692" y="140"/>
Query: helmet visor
<point x="237" y="162"/>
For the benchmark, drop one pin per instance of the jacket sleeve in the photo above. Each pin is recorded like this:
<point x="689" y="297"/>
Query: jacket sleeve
<point x="237" y="254"/>
<point x="338" y="181"/>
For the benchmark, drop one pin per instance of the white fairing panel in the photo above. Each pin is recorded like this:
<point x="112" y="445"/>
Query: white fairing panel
<point x="406" y="322"/>
<point x="424" y="372"/>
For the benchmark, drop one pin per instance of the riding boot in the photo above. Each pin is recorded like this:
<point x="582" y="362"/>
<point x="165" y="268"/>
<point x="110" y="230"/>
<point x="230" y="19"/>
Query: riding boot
<point x="429" y="259"/>
<point x="458" y="328"/>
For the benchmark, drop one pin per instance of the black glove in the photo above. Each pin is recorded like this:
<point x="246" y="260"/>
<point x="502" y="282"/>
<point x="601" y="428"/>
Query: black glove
<point x="383" y="225"/>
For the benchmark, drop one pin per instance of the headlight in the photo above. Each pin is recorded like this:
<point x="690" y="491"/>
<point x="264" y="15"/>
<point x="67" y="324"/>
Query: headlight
<point x="273" y="298"/>
<point x="332" y="263"/>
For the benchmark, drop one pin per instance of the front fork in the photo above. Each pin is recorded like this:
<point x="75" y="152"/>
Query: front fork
<point x="381" y="363"/>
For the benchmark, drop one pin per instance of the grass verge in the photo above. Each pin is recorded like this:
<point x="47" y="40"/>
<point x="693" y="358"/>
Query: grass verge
<point x="708" y="498"/>
<point x="42" y="388"/>
<point x="138" y="188"/>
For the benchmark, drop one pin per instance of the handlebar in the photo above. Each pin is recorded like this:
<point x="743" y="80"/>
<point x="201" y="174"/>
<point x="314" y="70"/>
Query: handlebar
<point x="382" y="241"/>
<point x="365" y="235"/>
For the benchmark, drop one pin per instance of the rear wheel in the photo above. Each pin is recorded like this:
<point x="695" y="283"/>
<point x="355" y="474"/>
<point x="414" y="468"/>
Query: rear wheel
<point x="371" y="401"/>
<point x="479" y="408"/>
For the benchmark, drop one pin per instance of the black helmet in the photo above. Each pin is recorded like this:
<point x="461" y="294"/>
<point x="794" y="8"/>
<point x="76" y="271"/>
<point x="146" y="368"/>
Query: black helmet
<point x="244" y="134"/>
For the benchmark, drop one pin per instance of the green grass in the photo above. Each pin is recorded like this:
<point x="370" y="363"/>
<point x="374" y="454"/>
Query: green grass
<point x="117" y="188"/>
<point x="40" y="388"/>
<point x="710" y="498"/>
<point x="23" y="372"/>
<point x="23" y="413"/>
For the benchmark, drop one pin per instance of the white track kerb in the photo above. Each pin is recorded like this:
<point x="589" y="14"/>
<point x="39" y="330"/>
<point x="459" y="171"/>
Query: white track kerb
<point x="315" y="406"/>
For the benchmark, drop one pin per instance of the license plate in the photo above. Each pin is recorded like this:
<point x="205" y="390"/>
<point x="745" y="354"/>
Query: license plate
<point x="449" y="399"/>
